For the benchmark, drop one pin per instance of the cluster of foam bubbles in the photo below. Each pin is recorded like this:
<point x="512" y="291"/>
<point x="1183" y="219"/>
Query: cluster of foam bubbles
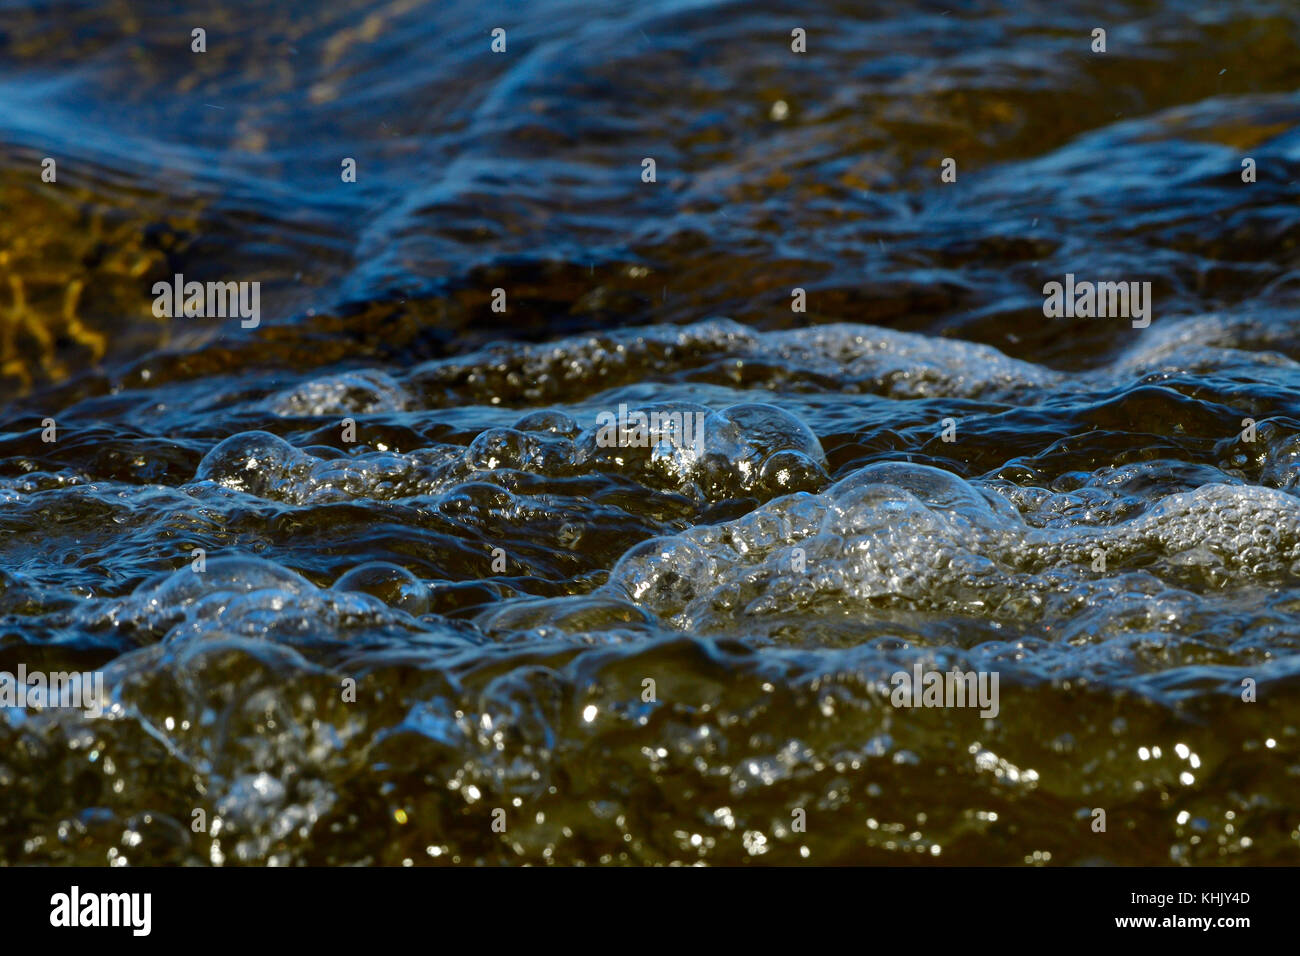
<point x="847" y="357"/>
<point x="267" y="466"/>
<point x="365" y="391"/>
<point x="742" y="449"/>
<point x="843" y="357"/>
<point x="916" y="537"/>
<point x="238" y="596"/>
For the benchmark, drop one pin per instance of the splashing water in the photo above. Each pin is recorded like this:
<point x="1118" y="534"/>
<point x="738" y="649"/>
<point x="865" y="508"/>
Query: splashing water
<point x="338" y="646"/>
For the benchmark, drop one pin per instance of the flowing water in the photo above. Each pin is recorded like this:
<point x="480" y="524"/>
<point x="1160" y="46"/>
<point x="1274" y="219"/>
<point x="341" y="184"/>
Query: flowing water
<point x="476" y="612"/>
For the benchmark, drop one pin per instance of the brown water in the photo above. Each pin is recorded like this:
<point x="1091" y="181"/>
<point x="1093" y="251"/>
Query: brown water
<point x="769" y="581"/>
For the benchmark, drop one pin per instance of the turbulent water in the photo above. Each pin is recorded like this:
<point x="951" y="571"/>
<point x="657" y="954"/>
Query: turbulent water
<point x="476" y="633"/>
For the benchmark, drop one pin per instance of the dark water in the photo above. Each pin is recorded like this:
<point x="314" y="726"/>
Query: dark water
<point x="769" y="584"/>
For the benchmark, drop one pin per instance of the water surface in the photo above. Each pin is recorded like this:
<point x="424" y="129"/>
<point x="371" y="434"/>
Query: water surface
<point x="823" y="537"/>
